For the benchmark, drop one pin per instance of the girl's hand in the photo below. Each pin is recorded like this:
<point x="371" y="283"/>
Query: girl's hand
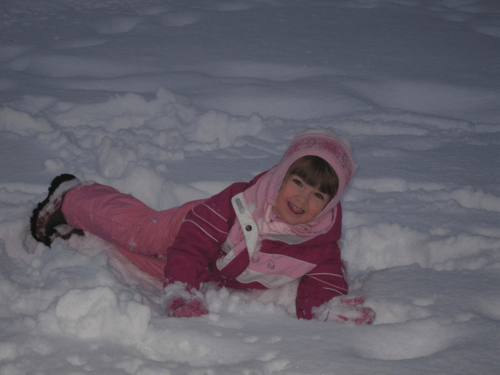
<point x="181" y="301"/>
<point x="345" y="309"/>
<point x="183" y="308"/>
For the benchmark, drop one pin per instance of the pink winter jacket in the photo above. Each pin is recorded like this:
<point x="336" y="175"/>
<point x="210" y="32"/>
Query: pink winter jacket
<point x="198" y="256"/>
<point x="220" y="240"/>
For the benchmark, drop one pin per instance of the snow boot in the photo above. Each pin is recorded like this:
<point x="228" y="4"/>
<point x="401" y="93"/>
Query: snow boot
<point x="47" y="221"/>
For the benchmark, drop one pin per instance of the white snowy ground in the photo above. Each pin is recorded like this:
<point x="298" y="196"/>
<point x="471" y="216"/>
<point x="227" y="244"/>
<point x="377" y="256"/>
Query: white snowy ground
<point x="174" y="100"/>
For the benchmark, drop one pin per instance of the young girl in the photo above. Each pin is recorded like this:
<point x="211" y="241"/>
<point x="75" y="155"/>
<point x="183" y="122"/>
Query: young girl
<point x="281" y="226"/>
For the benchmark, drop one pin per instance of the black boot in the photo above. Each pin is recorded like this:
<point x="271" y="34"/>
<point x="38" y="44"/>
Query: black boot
<point x="47" y="221"/>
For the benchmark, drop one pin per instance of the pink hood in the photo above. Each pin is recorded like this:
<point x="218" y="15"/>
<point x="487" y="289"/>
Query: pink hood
<point x="324" y="143"/>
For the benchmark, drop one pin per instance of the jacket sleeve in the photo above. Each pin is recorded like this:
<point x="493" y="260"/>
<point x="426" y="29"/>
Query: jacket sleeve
<point x="321" y="284"/>
<point x="202" y="232"/>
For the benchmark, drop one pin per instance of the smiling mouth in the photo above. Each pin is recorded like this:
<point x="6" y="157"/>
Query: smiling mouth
<point x="295" y="209"/>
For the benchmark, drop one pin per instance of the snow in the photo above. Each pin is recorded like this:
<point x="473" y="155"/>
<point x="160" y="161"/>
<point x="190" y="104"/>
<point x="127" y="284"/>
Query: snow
<point x="173" y="101"/>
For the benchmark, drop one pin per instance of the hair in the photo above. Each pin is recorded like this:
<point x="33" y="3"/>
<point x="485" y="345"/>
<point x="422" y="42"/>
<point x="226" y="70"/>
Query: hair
<point x="317" y="172"/>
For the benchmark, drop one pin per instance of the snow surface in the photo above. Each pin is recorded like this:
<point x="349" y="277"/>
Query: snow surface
<point x="174" y="100"/>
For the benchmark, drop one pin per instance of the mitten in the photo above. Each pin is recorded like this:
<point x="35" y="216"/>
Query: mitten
<point x="345" y="309"/>
<point x="181" y="301"/>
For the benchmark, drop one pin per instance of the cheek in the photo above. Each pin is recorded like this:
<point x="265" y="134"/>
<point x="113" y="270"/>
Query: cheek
<point x="280" y="196"/>
<point x="319" y="206"/>
<point x="285" y="192"/>
<point x="280" y="201"/>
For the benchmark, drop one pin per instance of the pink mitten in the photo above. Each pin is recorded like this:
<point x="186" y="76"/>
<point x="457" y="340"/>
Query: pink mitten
<point x="182" y="302"/>
<point x="345" y="309"/>
<point x="184" y="308"/>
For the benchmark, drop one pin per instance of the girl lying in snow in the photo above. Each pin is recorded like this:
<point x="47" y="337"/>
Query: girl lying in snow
<point x="281" y="226"/>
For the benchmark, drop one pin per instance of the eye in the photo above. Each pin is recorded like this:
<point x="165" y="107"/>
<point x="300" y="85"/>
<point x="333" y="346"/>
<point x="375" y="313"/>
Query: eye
<point x="297" y="182"/>
<point x="319" y="196"/>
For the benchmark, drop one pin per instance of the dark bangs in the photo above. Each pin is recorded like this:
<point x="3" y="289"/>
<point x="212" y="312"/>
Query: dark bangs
<point x="317" y="172"/>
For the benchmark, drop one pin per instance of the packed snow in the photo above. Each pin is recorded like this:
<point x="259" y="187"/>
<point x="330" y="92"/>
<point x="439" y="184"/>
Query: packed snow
<point x="173" y="101"/>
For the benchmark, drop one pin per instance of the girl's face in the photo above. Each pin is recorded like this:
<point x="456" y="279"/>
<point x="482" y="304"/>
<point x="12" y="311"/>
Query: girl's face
<point x="298" y="202"/>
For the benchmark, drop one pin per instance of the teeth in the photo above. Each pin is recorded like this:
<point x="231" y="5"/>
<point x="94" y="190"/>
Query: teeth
<point x="296" y="209"/>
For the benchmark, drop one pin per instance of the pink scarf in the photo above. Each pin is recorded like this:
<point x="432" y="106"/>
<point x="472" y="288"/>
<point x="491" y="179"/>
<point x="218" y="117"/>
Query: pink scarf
<point x="261" y="197"/>
<point x="257" y="196"/>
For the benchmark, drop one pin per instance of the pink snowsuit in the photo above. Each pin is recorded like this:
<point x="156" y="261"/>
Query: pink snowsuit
<point x="221" y="239"/>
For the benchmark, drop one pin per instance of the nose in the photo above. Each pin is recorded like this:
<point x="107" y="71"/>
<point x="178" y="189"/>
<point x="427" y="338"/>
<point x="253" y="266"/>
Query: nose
<point x="304" y="194"/>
